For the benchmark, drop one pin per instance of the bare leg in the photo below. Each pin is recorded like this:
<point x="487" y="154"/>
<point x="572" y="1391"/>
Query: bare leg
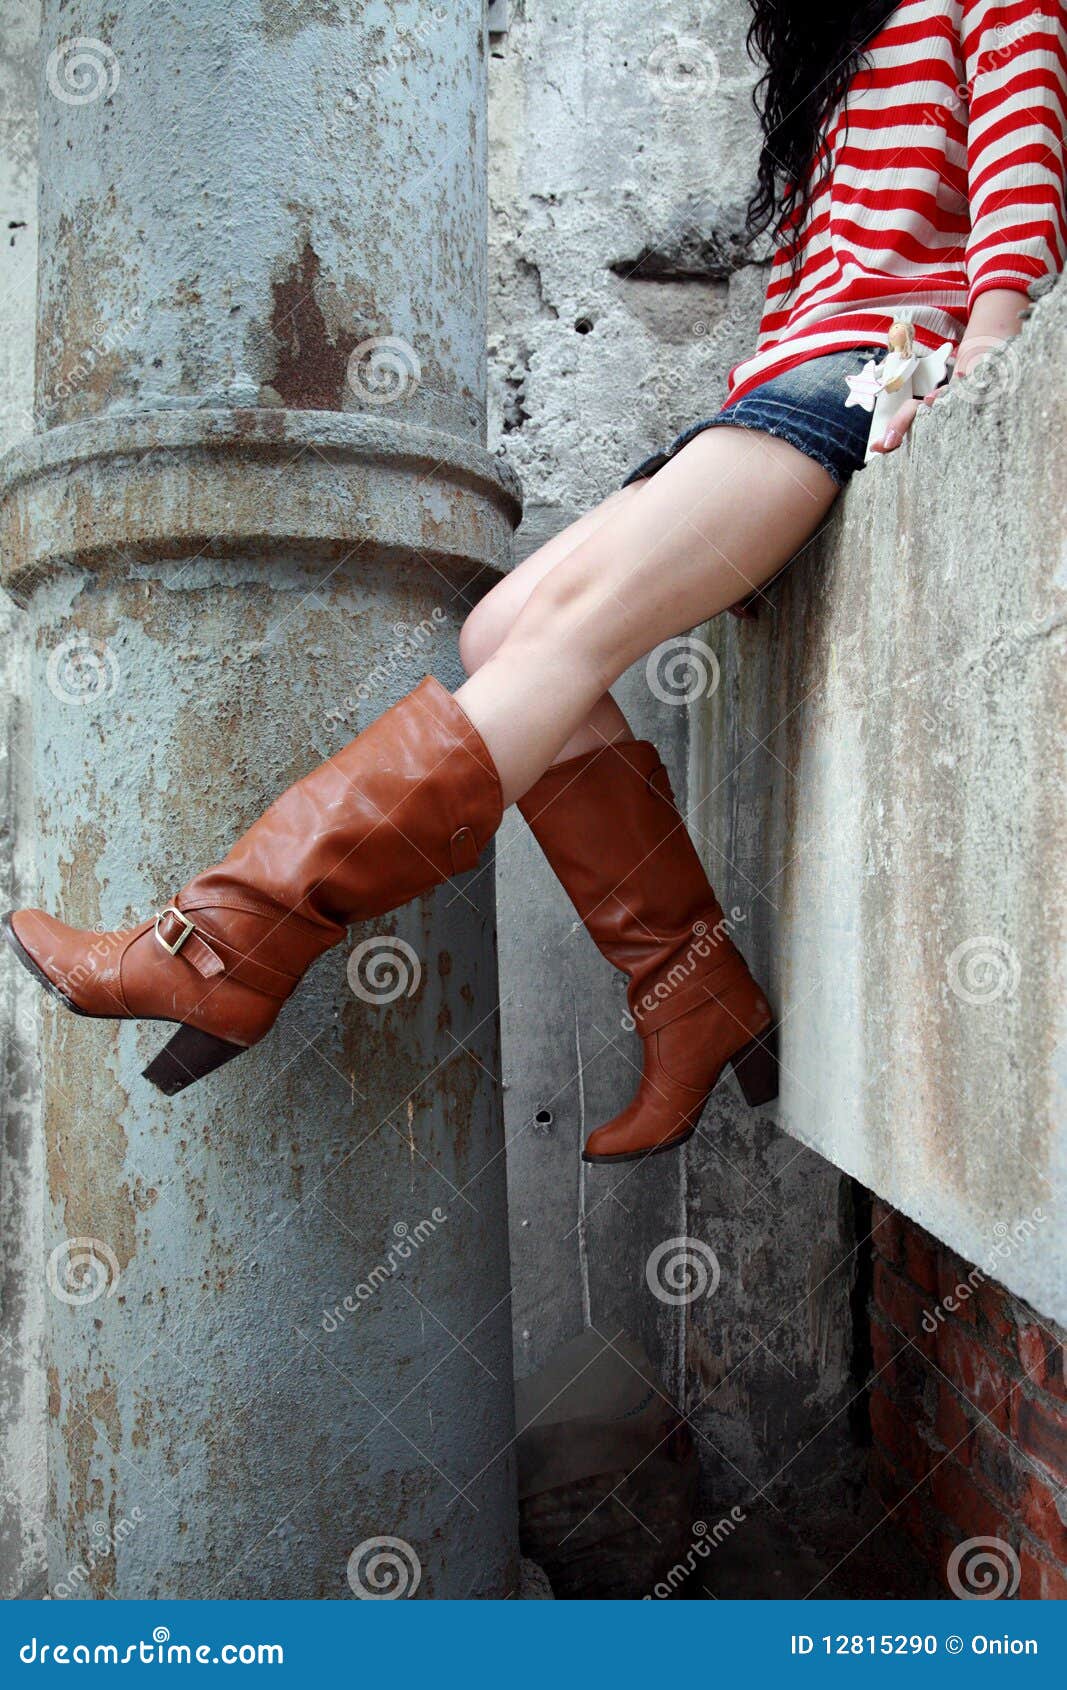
<point x="492" y="619"/>
<point x="717" y="521"/>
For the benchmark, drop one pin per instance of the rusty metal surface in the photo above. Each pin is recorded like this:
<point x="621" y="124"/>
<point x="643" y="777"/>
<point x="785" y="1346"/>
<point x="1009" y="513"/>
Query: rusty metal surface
<point x="21" y="1162"/>
<point x="279" y="1321"/>
<point x="220" y="482"/>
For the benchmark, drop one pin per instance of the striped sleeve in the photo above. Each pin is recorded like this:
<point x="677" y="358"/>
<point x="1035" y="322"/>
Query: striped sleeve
<point x="1015" y="60"/>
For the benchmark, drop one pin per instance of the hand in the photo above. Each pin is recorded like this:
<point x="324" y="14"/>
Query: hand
<point x="905" y="416"/>
<point x="996" y="316"/>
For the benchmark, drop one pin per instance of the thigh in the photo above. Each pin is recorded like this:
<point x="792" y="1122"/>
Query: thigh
<point x="713" y="525"/>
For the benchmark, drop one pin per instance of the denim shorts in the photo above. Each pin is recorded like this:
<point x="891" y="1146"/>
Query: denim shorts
<point x="804" y="405"/>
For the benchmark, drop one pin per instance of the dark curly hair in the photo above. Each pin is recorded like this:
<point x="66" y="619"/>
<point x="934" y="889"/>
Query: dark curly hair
<point x="811" y="53"/>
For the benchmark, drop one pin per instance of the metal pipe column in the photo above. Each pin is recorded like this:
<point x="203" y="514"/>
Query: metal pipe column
<point x="255" y="507"/>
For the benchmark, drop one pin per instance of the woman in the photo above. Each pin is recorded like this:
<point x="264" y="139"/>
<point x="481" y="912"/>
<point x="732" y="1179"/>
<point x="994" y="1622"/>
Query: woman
<point x="912" y="164"/>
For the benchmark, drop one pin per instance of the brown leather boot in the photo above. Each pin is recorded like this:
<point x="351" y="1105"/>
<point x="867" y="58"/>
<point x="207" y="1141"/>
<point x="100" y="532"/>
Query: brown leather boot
<point x="608" y="825"/>
<point x="412" y="801"/>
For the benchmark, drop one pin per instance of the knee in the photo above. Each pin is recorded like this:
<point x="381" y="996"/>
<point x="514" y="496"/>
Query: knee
<point x="561" y="611"/>
<point x="481" y="634"/>
<point x="563" y="606"/>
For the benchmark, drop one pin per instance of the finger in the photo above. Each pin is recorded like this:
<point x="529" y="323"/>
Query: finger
<point x="897" y="427"/>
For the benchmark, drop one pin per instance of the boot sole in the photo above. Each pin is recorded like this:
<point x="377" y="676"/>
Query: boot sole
<point x="756" y="1068"/>
<point x="187" y="1056"/>
<point x="640" y="1155"/>
<point x="31" y="968"/>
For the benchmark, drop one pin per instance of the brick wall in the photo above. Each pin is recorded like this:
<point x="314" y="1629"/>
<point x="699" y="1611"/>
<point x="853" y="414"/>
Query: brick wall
<point x="968" y="1415"/>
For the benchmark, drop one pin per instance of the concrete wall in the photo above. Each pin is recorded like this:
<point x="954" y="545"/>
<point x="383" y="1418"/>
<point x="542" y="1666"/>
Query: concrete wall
<point x="21" y="1153"/>
<point x="621" y="154"/>
<point x="885" y="755"/>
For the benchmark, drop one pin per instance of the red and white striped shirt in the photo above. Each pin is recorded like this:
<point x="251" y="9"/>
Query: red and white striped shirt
<point x="946" y="178"/>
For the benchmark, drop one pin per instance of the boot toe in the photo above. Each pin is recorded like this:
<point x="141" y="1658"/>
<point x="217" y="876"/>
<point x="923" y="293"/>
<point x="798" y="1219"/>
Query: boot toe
<point x="602" y="1143"/>
<point x="51" y="950"/>
<point x="615" y="1140"/>
<point x="630" y="1137"/>
<point x="37" y="934"/>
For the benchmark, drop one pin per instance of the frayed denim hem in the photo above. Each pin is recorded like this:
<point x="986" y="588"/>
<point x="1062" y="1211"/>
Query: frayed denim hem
<point x="793" y="436"/>
<point x="804" y="406"/>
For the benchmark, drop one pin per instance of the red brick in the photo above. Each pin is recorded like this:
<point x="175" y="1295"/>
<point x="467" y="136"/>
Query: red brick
<point x="1043" y="1358"/>
<point x="957" y="1288"/>
<point x="887" y="1231"/>
<point x="955" y="1495"/>
<point x="899" y="1437"/>
<point x="1042" y="1432"/>
<point x="953" y="1426"/>
<point x="907" y="1377"/>
<point x="997" y="1312"/>
<point x="1002" y="1469"/>
<point x="922" y="1255"/>
<point x="967" y="1365"/>
<point x="1038" y="1510"/>
<point x="1041" y="1581"/>
<point x="884" y="1348"/>
<point x="904" y="1307"/>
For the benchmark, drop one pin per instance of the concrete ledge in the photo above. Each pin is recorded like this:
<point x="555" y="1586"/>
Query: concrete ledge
<point x="884" y="760"/>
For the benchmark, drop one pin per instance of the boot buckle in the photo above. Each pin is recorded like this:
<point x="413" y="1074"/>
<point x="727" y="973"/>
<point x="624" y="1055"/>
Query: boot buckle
<point x="187" y="925"/>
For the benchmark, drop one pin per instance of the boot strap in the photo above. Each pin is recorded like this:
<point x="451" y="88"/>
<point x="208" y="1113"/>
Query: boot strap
<point x="464" y="850"/>
<point x="179" y="937"/>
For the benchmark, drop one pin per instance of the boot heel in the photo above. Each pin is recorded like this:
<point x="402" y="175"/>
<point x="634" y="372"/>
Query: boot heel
<point x="756" y="1067"/>
<point x="187" y="1056"/>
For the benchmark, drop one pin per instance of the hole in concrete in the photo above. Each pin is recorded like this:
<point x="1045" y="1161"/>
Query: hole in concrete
<point x="584" y="325"/>
<point x="543" y="1119"/>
